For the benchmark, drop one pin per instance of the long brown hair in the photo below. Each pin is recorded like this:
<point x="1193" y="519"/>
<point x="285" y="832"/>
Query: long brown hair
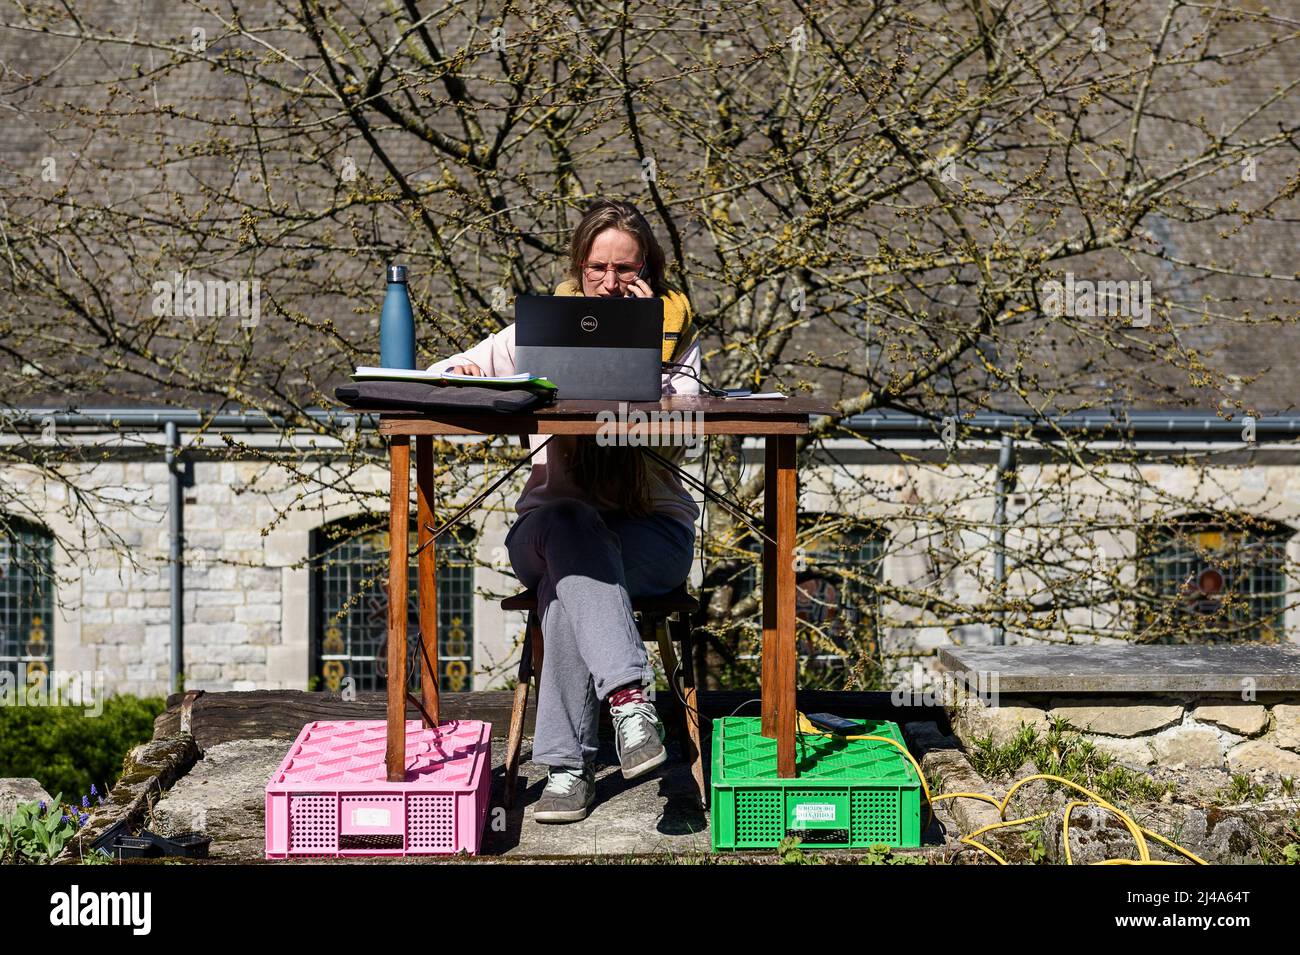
<point x="618" y="472"/>
<point x="616" y="214"/>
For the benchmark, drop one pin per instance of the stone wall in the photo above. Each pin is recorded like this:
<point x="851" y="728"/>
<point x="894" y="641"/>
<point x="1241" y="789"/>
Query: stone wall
<point x="247" y="619"/>
<point x="248" y="528"/>
<point x="1175" y="731"/>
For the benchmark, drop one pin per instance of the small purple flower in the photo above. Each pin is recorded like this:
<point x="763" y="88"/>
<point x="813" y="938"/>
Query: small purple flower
<point x="85" y="802"/>
<point x="64" y="818"/>
<point x="42" y="804"/>
<point x="93" y="790"/>
<point x="82" y="819"/>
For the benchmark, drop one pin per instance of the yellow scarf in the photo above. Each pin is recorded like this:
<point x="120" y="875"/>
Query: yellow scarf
<point x="679" y="330"/>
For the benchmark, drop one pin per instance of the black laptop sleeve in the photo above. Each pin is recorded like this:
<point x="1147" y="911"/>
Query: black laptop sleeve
<point x="421" y="396"/>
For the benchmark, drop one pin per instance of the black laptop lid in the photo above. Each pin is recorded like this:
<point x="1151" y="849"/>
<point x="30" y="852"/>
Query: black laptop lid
<point x="580" y="321"/>
<point x="591" y="347"/>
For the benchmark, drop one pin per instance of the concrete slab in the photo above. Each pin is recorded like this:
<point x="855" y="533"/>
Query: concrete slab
<point x="1127" y="669"/>
<point x="223" y="796"/>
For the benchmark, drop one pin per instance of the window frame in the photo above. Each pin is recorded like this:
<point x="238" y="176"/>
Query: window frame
<point x="1263" y="538"/>
<point x="463" y="537"/>
<point x="875" y="534"/>
<point x="13" y="530"/>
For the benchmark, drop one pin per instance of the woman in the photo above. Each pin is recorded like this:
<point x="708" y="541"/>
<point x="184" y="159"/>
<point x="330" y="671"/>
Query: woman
<point x="597" y="525"/>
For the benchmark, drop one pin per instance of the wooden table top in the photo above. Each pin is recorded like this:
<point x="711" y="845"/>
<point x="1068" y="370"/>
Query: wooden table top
<point x="671" y="414"/>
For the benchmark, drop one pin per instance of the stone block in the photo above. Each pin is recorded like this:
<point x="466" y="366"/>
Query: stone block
<point x="260" y="613"/>
<point x="245" y="653"/>
<point x="17" y="790"/>
<point x="1189" y="747"/>
<point x="218" y="598"/>
<point x="1261" y="754"/>
<point x="215" y="614"/>
<point x="1286" y="717"/>
<point x="1243" y="719"/>
<point x="1134" y="753"/>
<point x="1117" y="716"/>
<point x="972" y="719"/>
<point x="284" y="549"/>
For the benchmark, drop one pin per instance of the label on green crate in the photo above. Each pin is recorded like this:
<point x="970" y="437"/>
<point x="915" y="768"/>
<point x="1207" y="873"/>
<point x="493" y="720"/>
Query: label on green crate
<point x="817" y="816"/>
<point x="814" y="812"/>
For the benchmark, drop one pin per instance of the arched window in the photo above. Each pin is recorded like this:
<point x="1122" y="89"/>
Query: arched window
<point x="838" y="565"/>
<point x="350" y="607"/>
<point x="26" y="601"/>
<point x="1209" y="578"/>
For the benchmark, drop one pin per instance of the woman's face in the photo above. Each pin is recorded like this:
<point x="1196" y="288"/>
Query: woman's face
<point x="619" y="253"/>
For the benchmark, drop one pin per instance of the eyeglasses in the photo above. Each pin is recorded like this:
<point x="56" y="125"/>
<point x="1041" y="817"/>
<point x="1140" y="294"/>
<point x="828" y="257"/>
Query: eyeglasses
<point x="624" y="273"/>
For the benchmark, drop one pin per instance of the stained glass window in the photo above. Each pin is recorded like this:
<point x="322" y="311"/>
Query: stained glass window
<point x="350" y="593"/>
<point x="837" y="567"/>
<point x="1207" y="579"/>
<point x="26" y="602"/>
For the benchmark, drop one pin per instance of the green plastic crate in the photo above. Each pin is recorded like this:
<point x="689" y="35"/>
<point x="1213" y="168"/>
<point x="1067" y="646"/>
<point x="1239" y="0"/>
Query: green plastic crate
<point x="848" y="794"/>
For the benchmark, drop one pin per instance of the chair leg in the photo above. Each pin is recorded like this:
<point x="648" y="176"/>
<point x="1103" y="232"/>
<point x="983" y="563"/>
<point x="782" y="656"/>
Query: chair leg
<point x="669" y="657"/>
<point x="694" y="754"/>
<point x="531" y="652"/>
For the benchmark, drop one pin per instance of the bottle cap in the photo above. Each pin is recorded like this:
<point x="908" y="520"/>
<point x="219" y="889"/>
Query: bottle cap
<point x="397" y="273"/>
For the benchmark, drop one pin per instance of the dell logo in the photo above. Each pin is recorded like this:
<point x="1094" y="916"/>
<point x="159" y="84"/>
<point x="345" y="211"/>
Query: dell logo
<point x="588" y="323"/>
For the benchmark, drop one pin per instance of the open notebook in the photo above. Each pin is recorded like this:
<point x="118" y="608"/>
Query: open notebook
<point x="520" y="380"/>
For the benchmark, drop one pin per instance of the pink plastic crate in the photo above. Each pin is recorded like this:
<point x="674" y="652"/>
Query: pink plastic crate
<point x="330" y="796"/>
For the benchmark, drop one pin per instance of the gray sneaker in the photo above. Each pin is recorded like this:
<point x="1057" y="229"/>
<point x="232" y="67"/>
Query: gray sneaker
<point x="638" y="738"/>
<point x="568" y="795"/>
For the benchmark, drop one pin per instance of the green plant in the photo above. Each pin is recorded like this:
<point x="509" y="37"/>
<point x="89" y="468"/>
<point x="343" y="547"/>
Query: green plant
<point x="1070" y="755"/>
<point x="1241" y="789"/>
<point x="790" y="854"/>
<point x="881" y="854"/>
<point x="67" y="750"/>
<point x="1282" y="848"/>
<point x="1037" y="845"/>
<point x="35" y="832"/>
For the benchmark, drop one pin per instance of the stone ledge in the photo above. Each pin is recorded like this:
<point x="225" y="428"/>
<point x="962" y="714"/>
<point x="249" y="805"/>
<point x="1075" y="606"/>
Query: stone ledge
<point x="147" y="772"/>
<point x="1076" y="669"/>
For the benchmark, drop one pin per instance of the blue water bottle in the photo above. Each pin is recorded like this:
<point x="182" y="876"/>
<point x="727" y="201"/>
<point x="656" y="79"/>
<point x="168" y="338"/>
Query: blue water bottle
<point x="396" y="323"/>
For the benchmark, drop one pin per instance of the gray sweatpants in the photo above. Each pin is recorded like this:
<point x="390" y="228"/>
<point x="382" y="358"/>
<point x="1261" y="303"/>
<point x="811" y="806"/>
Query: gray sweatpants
<point x="585" y="564"/>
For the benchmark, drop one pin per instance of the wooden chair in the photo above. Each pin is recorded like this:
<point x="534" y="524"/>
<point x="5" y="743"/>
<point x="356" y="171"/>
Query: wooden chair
<point x="667" y="609"/>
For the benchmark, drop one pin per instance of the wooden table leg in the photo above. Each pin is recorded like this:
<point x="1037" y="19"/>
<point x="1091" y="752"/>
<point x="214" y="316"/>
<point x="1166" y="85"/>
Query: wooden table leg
<point x="427" y="579"/>
<point x="767" y="678"/>
<point x="399" y="518"/>
<point x="787" y="494"/>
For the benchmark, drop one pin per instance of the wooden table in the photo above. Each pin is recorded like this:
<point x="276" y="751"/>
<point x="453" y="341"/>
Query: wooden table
<point x="779" y="421"/>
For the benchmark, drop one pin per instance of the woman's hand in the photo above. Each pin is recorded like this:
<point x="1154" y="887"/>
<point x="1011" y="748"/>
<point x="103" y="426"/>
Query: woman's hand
<point x="469" y="368"/>
<point x="639" y="289"/>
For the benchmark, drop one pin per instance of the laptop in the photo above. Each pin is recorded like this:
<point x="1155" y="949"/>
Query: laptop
<point x="592" y="347"/>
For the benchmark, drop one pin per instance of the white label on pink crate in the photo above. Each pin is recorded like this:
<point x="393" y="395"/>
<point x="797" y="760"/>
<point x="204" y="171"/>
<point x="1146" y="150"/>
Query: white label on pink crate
<point x="371" y="817"/>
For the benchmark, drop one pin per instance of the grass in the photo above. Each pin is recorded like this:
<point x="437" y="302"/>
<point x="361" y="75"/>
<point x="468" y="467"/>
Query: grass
<point x="1240" y="790"/>
<point x="789" y="852"/>
<point x="1070" y="755"/>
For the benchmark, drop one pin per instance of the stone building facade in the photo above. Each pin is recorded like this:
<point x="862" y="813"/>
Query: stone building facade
<point x="257" y="614"/>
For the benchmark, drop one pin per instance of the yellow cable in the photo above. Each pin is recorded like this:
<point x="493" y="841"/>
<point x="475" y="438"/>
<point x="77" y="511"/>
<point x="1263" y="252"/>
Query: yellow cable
<point x="1139" y="833"/>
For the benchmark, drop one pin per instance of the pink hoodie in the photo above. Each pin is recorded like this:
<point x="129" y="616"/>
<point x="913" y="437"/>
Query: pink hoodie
<point x="550" y="479"/>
